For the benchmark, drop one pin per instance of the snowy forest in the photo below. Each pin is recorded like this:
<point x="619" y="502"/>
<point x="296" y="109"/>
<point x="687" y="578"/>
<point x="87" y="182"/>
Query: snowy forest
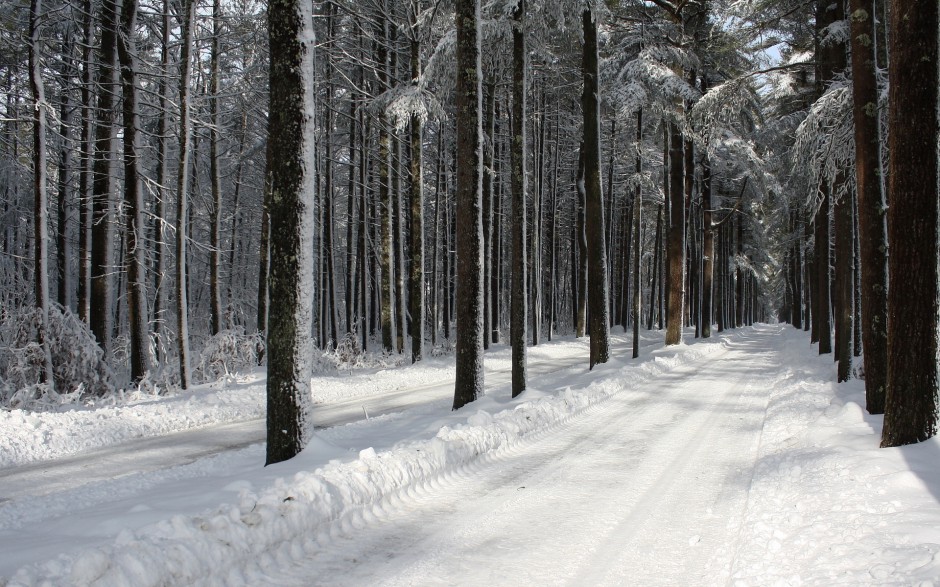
<point x="193" y="190"/>
<point x="639" y="164"/>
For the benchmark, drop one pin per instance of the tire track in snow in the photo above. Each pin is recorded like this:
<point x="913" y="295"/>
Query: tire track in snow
<point x="647" y="488"/>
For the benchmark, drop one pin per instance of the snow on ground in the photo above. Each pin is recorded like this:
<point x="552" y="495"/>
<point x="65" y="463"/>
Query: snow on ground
<point x="827" y="506"/>
<point x="663" y="471"/>
<point x="34" y="436"/>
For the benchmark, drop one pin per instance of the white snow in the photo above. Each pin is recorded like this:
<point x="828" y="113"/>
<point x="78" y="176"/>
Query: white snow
<point x="734" y="461"/>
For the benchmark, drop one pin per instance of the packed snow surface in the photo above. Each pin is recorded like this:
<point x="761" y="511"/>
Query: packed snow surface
<point x="734" y="461"/>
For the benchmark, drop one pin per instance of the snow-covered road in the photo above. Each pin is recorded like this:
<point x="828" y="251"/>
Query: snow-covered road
<point x="735" y="461"/>
<point x="647" y="488"/>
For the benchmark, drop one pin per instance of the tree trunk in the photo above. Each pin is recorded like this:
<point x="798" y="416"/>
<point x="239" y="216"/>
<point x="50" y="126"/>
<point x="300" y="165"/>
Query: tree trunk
<point x="103" y="182"/>
<point x="215" y="172"/>
<point x="386" y="199"/>
<point x="329" y="270"/>
<point x="808" y="271"/>
<point x="689" y="295"/>
<point x="581" y="283"/>
<point x="553" y="235"/>
<point x="796" y="309"/>
<point x="63" y="208"/>
<point x="435" y="247"/>
<point x="535" y="285"/>
<point x="488" y="147"/>
<point x="448" y="261"/>
<point x="708" y="249"/>
<point x="398" y="239"/>
<point x="518" y="306"/>
<point x="845" y="252"/>
<point x="41" y="198"/>
<point x="675" y="255"/>
<point x="829" y="56"/>
<point x="468" y="384"/>
<point x="871" y="206"/>
<point x="722" y="257"/>
<point x="352" y="254"/>
<point x="609" y="208"/>
<point x="133" y="198"/>
<point x="291" y="133"/>
<point x="417" y="205"/>
<point x="496" y="264"/>
<point x="182" y="194"/>
<point x="637" y="237"/>
<point x="594" y="205"/>
<point x="386" y="250"/>
<point x="911" y="402"/>
<point x="162" y="179"/>
<point x="656" y="273"/>
<point x="364" y="257"/>
<point x="87" y="162"/>
<point x="739" y="273"/>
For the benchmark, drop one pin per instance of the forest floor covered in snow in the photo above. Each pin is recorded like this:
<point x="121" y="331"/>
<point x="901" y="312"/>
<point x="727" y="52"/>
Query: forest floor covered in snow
<point x="734" y="461"/>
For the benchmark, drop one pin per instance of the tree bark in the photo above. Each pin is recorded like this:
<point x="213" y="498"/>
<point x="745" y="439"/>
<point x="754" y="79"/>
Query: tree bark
<point x="488" y="264"/>
<point x="911" y="402"/>
<point x="675" y="254"/>
<point x="86" y="179"/>
<point x="637" y="237"/>
<point x="468" y="385"/>
<point x="215" y="172"/>
<point x="63" y="207"/>
<point x="496" y="264"/>
<point x="827" y="62"/>
<point x="656" y="273"/>
<point x="535" y="253"/>
<point x="845" y="253"/>
<point x="291" y="133"/>
<point x="364" y="257"/>
<point x="708" y="249"/>
<point x="352" y="251"/>
<point x="871" y="206"/>
<point x="552" y="236"/>
<point x="581" y="266"/>
<point x="103" y="181"/>
<point x="162" y="180"/>
<point x="435" y="246"/>
<point x="417" y="296"/>
<point x="821" y="301"/>
<point x="518" y="306"/>
<point x="182" y="194"/>
<point x="398" y="239"/>
<point x="40" y="192"/>
<point x="133" y="198"/>
<point x="386" y="205"/>
<point x="598" y="292"/>
<point x="739" y="300"/>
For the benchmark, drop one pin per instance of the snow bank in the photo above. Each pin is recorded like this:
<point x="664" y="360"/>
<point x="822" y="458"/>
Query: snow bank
<point x="32" y="436"/>
<point x="827" y="506"/>
<point x="27" y="436"/>
<point x="285" y="520"/>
